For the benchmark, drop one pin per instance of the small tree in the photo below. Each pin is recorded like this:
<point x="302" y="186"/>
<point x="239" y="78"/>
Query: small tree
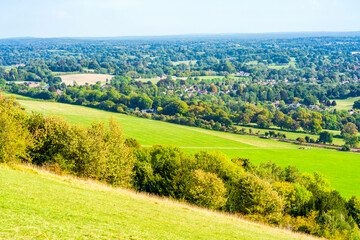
<point x="356" y="104"/>
<point x="349" y="128"/>
<point x="351" y="140"/>
<point x="206" y="189"/>
<point x="325" y="137"/>
<point x="300" y="140"/>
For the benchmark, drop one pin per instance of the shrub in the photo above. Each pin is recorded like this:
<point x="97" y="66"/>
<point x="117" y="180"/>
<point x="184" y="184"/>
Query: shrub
<point x="345" y="147"/>
<point x="162" y="170"/>
<point x="93" y="152"/>
<point x="206" y="189"/>
<point x="14" y="136"/>
<point x="132" y="143"/>
<point x="218" y="163"/>
<point x="251" y="195"/>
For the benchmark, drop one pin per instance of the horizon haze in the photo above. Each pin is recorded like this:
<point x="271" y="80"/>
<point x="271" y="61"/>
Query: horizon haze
<point x="111" y="18"/>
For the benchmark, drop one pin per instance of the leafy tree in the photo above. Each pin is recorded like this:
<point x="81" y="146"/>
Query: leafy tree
<point x="162" y="170"/>
<point x="354" y="209"/>
<point x="141" y="102"/>
<point x="206" y="189"/>
<point x="251" y="195"/>
<point x="325" y="137"/>
<point x="315" y="126"/>
<point x="356" y="104"/>
<point x="14" y="136"/>
<point x="351" y="140"/>
<point x="219" y="164"/>
<point x="175" y="107"/>
<point x="310" y="100"/>
<point x="350" y="128"/>
<point x="300" y="140"/>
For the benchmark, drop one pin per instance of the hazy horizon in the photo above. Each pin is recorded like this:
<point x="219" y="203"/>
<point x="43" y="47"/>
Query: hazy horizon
<point x="140" y="18"/>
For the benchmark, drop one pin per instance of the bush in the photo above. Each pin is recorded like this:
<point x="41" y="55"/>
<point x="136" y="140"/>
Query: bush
<point x="218" y="163"/>
<point x="206" y="189"/>
<point x="251" y="195"/>
<point x="345" y="147"/>
<point x="93" y="152"/>
<point x="14" y="136"/>
<point x="132" y="143"/>
<point x="162" y="170"/>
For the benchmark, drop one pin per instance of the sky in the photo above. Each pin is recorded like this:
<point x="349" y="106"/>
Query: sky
<point x="112" y="18"/>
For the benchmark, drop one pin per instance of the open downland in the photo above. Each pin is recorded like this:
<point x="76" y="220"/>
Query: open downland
<point x="35" y="204"/>
<point x="341" y="168"/>
<point x="82" y="79"/>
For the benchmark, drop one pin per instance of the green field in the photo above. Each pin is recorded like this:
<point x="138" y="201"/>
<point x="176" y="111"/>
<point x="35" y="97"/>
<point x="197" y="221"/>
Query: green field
<point x="345" y="104"/>
<point x="291" y="63"/>
<point x="293" y="135"/>
<point x="184" y="62"/>
<point x="341" y="168"/>
<point x="277" y="67"/>
<point x="35" y="204"/>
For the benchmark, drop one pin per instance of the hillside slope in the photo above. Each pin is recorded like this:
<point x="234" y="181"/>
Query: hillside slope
<point x="37" y="204"/>
<point x="341" y="168"/>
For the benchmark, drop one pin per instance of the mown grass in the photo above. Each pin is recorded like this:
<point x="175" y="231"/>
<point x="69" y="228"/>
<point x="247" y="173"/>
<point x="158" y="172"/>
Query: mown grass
<point x="341" y="168"/>
<point x="35" y="204"/>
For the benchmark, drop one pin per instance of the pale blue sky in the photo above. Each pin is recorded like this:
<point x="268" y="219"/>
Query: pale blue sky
<point x="106" y="18"/>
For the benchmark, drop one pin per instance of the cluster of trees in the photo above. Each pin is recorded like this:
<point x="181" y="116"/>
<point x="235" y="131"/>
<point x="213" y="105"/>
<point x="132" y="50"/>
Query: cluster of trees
<point x="268" y="193"/>
<point x="126" y="96"/>
<point x="319" y="59"/>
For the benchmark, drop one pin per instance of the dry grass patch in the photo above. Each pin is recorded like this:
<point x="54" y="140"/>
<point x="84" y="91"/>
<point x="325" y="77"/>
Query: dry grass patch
<point x="73" y="208"/>
<point x="82" y="79"/>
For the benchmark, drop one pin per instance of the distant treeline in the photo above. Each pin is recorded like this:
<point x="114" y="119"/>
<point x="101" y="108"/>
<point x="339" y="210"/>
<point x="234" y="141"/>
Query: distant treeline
<point x="308" y="59"/>
<point x="167" y="100"/>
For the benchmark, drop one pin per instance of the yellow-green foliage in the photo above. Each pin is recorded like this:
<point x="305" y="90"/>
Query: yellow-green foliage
<point x="219" y="163"/>
<point x="252" y="195"/>
<point x="94" y="151"/>
<point x="306" y="224"/>
<point x="14" y="137"/>
<point x="206" y="189"/>
<point x="286" y="190"/>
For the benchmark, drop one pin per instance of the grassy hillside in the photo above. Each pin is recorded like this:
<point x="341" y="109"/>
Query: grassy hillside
<point x="37" y="205"/>
<point x="341" y="168"/>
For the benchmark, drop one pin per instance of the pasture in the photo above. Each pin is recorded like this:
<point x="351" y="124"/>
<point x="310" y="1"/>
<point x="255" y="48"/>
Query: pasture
<point x="292" y="135"/>
<point x="345" y="104"/>
<point x="82" y="79"/>
<point x="38" y="205"/>
<point x="184" y="62"/>
<point x="341" y="168"/>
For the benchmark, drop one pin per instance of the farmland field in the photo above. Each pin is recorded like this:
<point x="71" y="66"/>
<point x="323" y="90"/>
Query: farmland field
<point x="82" y="79"/>
<point x="341" y="168"/>
<point x="291" y="63"/>
<point x="38" y="205"/>
<point x="184" y="62"/>
<point x="293" y="135"/>
<point x="345" y="104"/>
